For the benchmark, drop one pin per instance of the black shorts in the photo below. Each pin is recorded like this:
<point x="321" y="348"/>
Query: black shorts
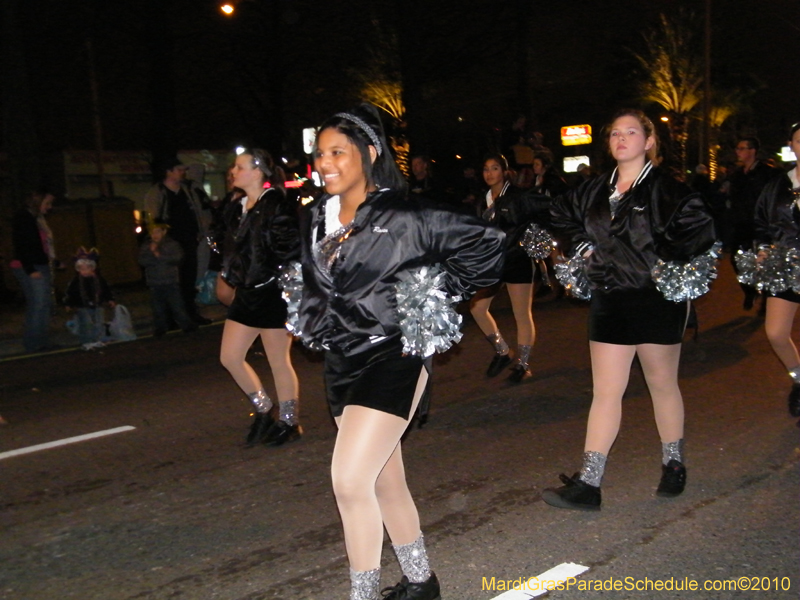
<point x="380" y="378"/>
<point x="788" y="295"/>
<point x="262" y="307"/>
<point x="633" y="317"/>
<point x="518" y="267"/>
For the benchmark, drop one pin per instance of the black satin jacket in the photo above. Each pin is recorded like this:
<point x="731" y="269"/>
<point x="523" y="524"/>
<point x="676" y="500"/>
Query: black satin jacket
<point x="392" y="234"/>
<point x="263" y="240"/>
<point x="658" y="218"/>
<point x="777" y="218"/>
<point x="513" y="210"/>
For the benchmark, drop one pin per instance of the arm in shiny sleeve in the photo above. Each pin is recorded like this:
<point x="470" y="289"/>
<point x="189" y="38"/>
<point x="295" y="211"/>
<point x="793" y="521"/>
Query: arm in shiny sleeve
<point x="471" y="251"/>
<point x="683" y="227"/>
<point x="765" y="211"/>
<point x="567" y="223"/>
<point x="282" y="231"/>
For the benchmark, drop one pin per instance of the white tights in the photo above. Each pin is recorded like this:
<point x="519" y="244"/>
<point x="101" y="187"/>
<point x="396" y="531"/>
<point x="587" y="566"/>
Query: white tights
<point x="236" y="341"/>
<point x="611" y="366"/>
<point x="369" y="481"/>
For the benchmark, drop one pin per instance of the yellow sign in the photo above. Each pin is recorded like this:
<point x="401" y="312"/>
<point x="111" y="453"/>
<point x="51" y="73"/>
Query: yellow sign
<point x="574" y="135"/>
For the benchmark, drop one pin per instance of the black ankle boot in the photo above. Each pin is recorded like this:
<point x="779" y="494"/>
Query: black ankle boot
<point x="673" y="479"/>
<point x="405" y="590"/>
<point x="794" y="400"/>
<point x="518" y="373"/>
<point x="499" y="362"/>
<point x="259" y="429"/>
<point x="574" y="494"/>
<point x="281" y="433"/>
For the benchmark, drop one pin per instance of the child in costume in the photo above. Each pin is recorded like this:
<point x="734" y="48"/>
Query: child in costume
<point x="87" y="294"/>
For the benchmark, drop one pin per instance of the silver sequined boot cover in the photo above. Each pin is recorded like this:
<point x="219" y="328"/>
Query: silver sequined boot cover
<point x="413" y="560"/>
<point x="523" y="356"/>
<point x="287" y="411"/>
<point x="496" y="340"/>
<point x="261" y="401"/>
<point x="594" y="465"/>
<point x="672" y="451"/>
<point x="364" y="584"/>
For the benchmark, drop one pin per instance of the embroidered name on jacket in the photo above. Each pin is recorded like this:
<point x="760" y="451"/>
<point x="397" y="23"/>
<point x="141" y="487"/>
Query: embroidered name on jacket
<point x="638" y="208"/>
<point x="377" y="229"/>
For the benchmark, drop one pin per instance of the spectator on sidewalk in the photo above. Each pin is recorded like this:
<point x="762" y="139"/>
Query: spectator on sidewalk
<point x="161" y="257"/>
<point x="32" y="264"/>
<point x="186" y="209"/>
<point x="87" y="294"/>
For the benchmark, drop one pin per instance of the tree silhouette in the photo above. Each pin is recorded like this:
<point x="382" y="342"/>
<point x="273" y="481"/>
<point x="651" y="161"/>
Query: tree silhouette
<point x="673" y="73"/>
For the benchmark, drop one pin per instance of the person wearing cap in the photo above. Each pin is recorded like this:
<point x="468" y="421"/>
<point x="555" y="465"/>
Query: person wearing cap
<point x="161" y="257"/>
<point x="185" y="209"/>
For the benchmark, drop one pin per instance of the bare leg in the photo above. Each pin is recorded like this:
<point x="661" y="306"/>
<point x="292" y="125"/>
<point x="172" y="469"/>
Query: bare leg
<point x="521" y="295"/>
<point x="277" y="345"/>
<point x="778" y="326"/>
<point x="611" y="368"/>
<point x="236" y="341"/>
<point x="660" y="366"/>
<point x="479" y="308"/>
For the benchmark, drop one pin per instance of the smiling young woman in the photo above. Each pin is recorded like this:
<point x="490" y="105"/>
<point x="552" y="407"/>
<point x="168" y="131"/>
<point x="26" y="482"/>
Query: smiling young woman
<point x="359" y="241"/>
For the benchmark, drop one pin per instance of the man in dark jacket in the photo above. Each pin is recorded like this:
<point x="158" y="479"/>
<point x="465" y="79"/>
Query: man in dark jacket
<point x="185" y="209"/>
<point x="746" y="184"/>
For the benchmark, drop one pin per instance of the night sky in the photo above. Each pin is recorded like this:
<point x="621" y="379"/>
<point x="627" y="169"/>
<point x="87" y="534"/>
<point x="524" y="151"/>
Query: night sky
<point x="466" y="57"/>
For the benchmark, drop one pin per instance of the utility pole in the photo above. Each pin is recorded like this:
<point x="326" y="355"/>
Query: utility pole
<point x="98" y="127"/>
<point x="705" y="156"/>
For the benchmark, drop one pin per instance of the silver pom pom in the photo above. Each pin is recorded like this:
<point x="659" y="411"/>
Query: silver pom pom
<point x="747" y="267"/>
<point x="776" y="273"/>
<point x="686" y="281"/>
<point x="538" y="242"/>
<point x="428" y="320"/>
<point x="290" y="281"/>
<point x="572" y="275"/>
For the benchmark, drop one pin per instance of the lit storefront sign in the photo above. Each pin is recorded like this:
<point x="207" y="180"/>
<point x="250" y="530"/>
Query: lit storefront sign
<point x="574" y="135"/>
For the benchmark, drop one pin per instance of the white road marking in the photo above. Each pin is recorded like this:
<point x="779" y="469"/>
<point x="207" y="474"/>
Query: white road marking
<point x="534" y="587"/>
<point x="65" y="441"/>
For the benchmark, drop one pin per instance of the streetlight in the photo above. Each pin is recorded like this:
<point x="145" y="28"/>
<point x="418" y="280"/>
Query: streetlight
<point x="227" y="9"/>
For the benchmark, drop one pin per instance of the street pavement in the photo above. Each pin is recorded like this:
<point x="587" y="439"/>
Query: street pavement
<point x="174" y="507"/>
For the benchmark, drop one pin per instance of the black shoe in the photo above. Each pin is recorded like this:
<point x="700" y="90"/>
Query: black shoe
<point x="200" y="320"/>
<point x="518" y="373"/>
<point x="405" y="590"/>
<point x="673" y="479"/>
<point x="794" y="400"/>
<point x="260" y="429"/>
<point x="499" y="362"/>
<point x="574" y="494"/>
<point x="281" y="433"/>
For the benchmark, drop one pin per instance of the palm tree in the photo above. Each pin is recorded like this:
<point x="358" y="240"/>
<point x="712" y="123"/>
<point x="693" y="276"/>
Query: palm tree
<point x="387" y="95"/>
<point x="727" y="102"/>
<point x="673" y="75"/>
